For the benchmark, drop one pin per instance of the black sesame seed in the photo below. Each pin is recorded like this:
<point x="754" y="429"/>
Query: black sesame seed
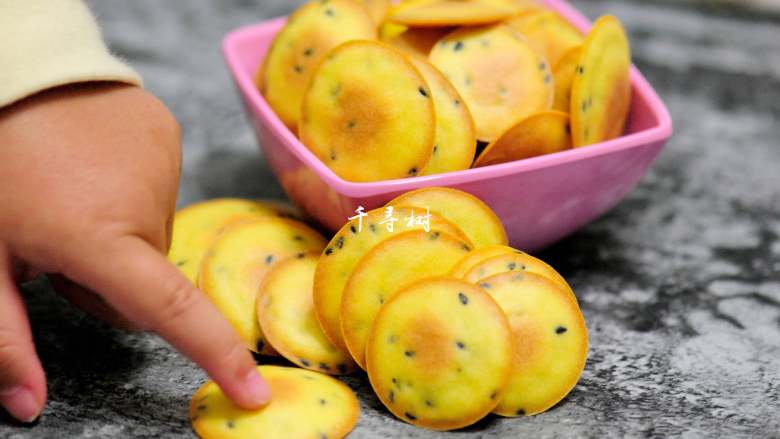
<point x="435" y="148"/>
<point x="423" y="91"/>
<point x="340" y="242"/>
<point x="329" y="12"/>
<point x="413" y="171"/>
<point x="392" y="339"/>
<point x="297" y="238"/>
<point x="308" y="52"/>
<point x="409" y="354"/>
<point x="466" y="247"/>
<point x="231" y="424"/>
<point x="342" y="368"/>
<point x="463" y="298"/>
<point x="391" y="396"/>
<point x="560" y="329"/>
<point x="298" y="68"/>
<point x="305" y="362"/>
<point x="429" y="403"/>
<point x="381" y="300"/>
<point x="329" y="251"/>
<point x="202" y="407"/>
<point x="458" y="46"/>
<point x="435" y="236"/>
<point x="351" y="124"/>
<point x="333" y="155"/>
<point x="323" y="401"/>
<point x="494" y="394"/>
<point x="300" y="255"/>
<point x="457" y="103"/>
<point x="324" y="366"/>
<point x="542" y="65"/>
<point x="460" y="345"/>
<point x="511" y="266"/>
<point x="269" y="259"/>
<point x="547" y="78"/>
<point x="353" y="229"/>
<point x="485" y="285"/>
<point x="520" y="412"/>
<point x="181" y="263"/>
<point x="410" y="416"/>
<point x="580" y="70"/>
<point x="584" y="106"/>
<point x="372" y="227"/>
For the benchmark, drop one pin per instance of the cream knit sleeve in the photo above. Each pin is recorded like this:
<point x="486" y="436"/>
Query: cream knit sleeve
<point x="46" y="43"/>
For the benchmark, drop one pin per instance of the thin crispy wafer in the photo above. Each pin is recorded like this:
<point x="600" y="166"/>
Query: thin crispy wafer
<point x="285" y="311"/>
<point x="516" y="262"/>
<point x="541" y="133"/>
<point x="546" y="31"/>
<point x="447" y="13"/>
<point x="468" y="212"/>
<point x="478" y="255"/>
<point x="391" y="265"/>
<point x="239" y="258"/>
<point x="550" y="341"/>
<point x="439" y="354"/>
<point x="305" y="405"/>
<point x="501" y="78"/>
<point x="601" y="91"/>
<point x="346" y="249"/>
<point x="310" y="32"/>
<point x="456" y="138"/>
<point x="563" y="78"/>
<point x="416" y="42"/>
<point x="195" y="226"/>
<point x="368" y="113"/>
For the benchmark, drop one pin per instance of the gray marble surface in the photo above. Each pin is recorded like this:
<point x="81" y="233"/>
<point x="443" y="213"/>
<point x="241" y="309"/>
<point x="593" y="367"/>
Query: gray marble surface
<point x="680" y="284"/>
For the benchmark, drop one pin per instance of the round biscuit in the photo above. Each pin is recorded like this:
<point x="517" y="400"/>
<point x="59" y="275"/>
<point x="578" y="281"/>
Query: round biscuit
<point x="368" y="113"/>
<point x="501" y="78"/>
<point x="549" y="337"/>
<point x="469" y="213"/>
<point x="601" y="91"/>
<point x="285" y="311"/>
<point x="439" y="354"/>
<point x="233" y="269"/>
<point x="305" y="405"/>
<point x="545" y="132"/>
<point x="310" y="32"/>
<point x="346" y="249"/>
<point x="391" y="265"/>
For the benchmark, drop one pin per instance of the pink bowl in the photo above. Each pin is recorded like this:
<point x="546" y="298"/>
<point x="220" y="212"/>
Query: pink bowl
<point x="540" y="200"/>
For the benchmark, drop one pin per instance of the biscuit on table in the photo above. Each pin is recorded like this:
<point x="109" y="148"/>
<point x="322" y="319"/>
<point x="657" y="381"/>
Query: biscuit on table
<point x="239" y="258"/>
<point x="550" y="341"/>
<point x="285" y="311"/>
<point x="468" y="212"/>
<point x="346" y="249"/>
<point x="304" y="405"/>
<point x="391" y="265"/>
<point x="439" y="354"/>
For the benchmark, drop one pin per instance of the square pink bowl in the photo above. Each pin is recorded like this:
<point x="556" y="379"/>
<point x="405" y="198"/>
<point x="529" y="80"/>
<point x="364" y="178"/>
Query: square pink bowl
<point x="540" y="200"/>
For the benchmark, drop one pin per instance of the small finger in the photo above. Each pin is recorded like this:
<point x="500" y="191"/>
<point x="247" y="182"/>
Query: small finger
<point x="22" y="380"/>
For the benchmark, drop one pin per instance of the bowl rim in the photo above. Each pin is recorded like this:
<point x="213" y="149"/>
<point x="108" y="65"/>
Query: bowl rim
<point x="245" y="83"/>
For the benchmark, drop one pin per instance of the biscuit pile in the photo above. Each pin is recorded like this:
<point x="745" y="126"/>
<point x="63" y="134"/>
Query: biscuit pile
<point x="424" y="294"/>
<point x="380" y="90"/>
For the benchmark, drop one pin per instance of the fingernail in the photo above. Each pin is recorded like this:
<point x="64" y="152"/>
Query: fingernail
<point x="20" y="403"/>
<point x="257" y="388"/>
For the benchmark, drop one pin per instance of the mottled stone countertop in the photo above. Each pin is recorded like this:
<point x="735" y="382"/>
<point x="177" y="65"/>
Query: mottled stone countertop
<point x="680" y="283"/>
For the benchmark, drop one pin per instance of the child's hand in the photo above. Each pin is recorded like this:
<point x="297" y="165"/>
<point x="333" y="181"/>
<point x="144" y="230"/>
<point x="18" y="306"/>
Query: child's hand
<point x="88" y="183"/>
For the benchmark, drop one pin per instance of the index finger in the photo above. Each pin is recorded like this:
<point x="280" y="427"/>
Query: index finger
<point x="137" y="280"/>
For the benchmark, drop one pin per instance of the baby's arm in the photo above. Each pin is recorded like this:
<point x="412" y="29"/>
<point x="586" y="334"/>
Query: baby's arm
<point x="88" y="179"/>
